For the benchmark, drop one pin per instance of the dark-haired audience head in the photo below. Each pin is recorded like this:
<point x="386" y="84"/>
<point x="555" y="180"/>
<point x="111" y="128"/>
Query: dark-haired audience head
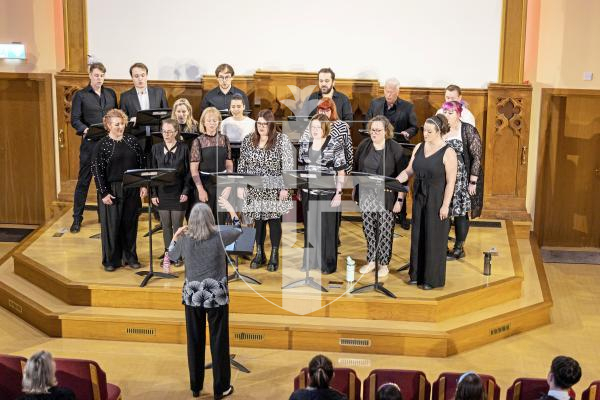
<point x="388" y="391"/>
<point x="39" y="373"/>
<point x="391" y="89"/>
<point x="470" y="387"/>
<point x="224" y="74"/>
<point x="380" y="128"/>
<point x="320" y="372"/>
<point x="139" y="75"/>
<point x="564" y="373"/>
<point x="265" y="126"/>
<point x="453" y="93"/>
<point x="320" y="126"/>
<point x="97" y="72"/>
<point x="328" y="108"/>
<point x="236" y="106"/>
<point x="435" y="126"/>
<point x="326" y="80"/>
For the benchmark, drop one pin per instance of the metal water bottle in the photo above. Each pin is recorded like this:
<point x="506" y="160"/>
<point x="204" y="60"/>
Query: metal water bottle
<point x="350" y="267"/>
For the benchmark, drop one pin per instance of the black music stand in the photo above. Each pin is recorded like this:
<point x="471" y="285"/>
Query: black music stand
<point x="96" y="132"/>
<point x="243" y="246"/>
<point x="316" y="180"/>
<point x="380" y="182"/>
<point x="149" y="178"/>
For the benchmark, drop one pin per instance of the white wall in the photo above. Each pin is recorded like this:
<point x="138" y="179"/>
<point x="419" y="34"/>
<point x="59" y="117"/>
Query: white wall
<point x="423" y="43"/>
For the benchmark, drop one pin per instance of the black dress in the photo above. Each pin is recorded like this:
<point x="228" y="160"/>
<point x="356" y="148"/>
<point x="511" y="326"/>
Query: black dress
<point x="178" y="158"/>
<point x="429" y="234"/>
<point x="54" y="393"/>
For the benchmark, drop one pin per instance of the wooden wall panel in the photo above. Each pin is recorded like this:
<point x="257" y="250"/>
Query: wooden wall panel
<point x="568" y="181"/>
<point x="512" y="41"/>
<point x="75" y="35"/>
<point x="27" y="177"/>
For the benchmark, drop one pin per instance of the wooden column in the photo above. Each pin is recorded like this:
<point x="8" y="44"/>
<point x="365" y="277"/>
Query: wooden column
<point x="506" y="145"/>
<point x="512" y="45"/>
<point x="75" y="28"/>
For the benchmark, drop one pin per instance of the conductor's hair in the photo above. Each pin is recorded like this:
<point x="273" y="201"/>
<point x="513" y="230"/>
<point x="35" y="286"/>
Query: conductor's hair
<point x="138" y="65"/>
<point x="320" y="371"/>
<point x="98" y="66"/>
<point x="327" y="70"/>
<point x="224" y="68"/>
<point x="114" y="113"/>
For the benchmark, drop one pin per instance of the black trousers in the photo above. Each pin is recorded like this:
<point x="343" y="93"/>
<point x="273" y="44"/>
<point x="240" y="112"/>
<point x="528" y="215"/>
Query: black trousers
<point x="86" y="150"/>
<point x="118" y="226"/>
<point x="320" y="232"/>
<point x="218" y="325"/>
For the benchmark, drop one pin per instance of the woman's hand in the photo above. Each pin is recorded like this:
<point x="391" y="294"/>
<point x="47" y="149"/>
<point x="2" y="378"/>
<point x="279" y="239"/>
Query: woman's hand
<point x="337" y="200"/>
<point x="202" y="195"/>
<point x="143" y="192"/>
<point x="183" y="198"/>
<point x="444" y="212"/>
<point x="155" y="201"/>
<point x="472" y="188"/>
<point x="397" y="207"/>
<point x="180" y="232"/>
<point x="283" y="195"/>
<point x="225" y="193"/>
<point x="108" y="199"/>
<point x="241" y="193"/>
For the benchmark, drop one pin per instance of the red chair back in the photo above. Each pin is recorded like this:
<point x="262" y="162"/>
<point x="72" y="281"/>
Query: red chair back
<point x="592" y="393"/>
<point x="344" y="381"/>
<point x="11" y="376"/>
<point x="86" y="379"/>
<point x="444" y="388"/>
<point x="527" y="389"/>
<point x="413" y="384"/>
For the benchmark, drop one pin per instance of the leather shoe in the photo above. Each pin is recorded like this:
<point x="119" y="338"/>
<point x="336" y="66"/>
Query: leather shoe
<point x="411" y="282"/>
<point x="195" y="393"/>
<point x="76" y="226"/>
<point x="134" y="265"/>
<point x="109" y="268"/>
<point x="226" y="393"/>
<point x="426" y="287"/>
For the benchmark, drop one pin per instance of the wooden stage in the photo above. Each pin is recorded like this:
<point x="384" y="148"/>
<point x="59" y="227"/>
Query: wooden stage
<point x="57" y="283"/>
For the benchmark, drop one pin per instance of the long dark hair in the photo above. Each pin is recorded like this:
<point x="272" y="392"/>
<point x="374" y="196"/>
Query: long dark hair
<point x="470" y="387"/>
<point x="320" y="371"/>
<point x="270" y="118"/>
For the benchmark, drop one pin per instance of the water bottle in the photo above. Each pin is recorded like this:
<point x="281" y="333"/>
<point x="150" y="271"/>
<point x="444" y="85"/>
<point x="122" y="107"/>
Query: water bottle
<point x="350" y="266"/>
<point x="166" y="264"/>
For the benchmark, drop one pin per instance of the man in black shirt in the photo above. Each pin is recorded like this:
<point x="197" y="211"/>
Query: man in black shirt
<point x="327" y="89"/>
<point x="89" y="106"/>
<point x="220" y="97"/>
<point x="402" y="116"/>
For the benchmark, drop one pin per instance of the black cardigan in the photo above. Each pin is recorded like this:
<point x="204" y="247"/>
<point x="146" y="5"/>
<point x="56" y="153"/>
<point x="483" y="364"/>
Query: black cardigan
<point x="393" y="155"/>
<point x="473" y="158"/>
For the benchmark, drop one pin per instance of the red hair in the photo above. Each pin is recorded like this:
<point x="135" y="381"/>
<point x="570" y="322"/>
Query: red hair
<point x="327" y="103"/>
<point x="453" y="105"/>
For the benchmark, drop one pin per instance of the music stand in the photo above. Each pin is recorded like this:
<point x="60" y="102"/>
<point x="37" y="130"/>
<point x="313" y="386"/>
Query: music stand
<point x="315" y="180"/>
<point x="96" y="132"/>
<point x="150" y="178"/>
<point x="243" y="246"/>
<point x="380" y="182"/>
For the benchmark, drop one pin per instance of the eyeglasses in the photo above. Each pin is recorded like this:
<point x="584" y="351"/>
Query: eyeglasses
<point x="262" y="124"/>
<point x="224" y="78"/>
<point x="171" y="132"/>
<point x="377" y="131"/>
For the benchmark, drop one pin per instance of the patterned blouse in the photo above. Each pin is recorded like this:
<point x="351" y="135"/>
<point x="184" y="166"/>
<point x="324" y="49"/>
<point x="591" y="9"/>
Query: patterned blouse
<point x="340" y="131"/>
<point x="332" y="157"/>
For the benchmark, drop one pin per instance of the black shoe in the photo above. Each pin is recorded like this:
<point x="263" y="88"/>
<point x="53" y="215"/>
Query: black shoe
<point x="109" y="268"/>
<point x="273" y="260"/>
<point x="259" y="259"/>
<point x="426" y="287"/>
<point x="195" y="393"/>
<point x="134" y="265"/>
<point x="457" y="253"/>
<point x="226" y="393"/>
<point x="403" y="222"/>
<point x="76" y="226"/>
<point x="411" y="282"/>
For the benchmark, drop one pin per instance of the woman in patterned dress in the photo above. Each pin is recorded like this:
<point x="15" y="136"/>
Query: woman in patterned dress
<point x="266" y="153"/>
<point x="468" y="192"/>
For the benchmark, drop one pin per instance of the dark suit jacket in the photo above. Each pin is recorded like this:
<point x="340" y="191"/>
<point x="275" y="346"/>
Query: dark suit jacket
<point x="342" y="104"/>
<point x="130" y="103"/>
<point x="403" y="119"/>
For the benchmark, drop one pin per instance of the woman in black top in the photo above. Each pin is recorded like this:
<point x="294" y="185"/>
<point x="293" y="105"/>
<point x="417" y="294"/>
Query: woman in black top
<point x="205" y="294"/>
<point x="211" y="152"/>
<point x="320" y="373"/>
<point x="182" y="113"/>
<point x="379" y="154"/>
<point x="118" y="207"/>
<point x="320" y="153"/>
<point x="433" y="165"/>
<point x="171" y="200"/>
<point x="39" y="380"/>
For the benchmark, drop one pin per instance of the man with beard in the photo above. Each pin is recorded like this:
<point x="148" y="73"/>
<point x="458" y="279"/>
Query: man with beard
<point x="327" y="89"/>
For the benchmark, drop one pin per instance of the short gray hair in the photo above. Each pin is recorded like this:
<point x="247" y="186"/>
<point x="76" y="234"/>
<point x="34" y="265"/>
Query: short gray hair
<point x="392" y="82"/>
<point x="201" y="223"/>
<point x="39" y="374"/>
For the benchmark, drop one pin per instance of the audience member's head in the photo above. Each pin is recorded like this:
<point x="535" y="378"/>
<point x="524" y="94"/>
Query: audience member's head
<point x="326" y="80"/>
<point x="470" y="387"/>
<point x="224" y="74"/>
<point x="320" y="372"/>
<point x="139" y="74"/>
<point x="327" y="107"/>
<point x="391" y="89"/>
<point x="210" y="121"/>
<point x="564" y="373"/>
<point x="453" y="93"/>
<point x="236" y="106"/>
<point x="97" y="71"/>
<point x="388" y="391"/>
<point x="39" y="374"/>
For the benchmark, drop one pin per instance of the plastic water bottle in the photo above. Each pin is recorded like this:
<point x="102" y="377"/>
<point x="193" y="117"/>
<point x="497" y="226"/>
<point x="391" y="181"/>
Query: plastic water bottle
<point x="350" y="267"/>
<point x="166" y="264"/>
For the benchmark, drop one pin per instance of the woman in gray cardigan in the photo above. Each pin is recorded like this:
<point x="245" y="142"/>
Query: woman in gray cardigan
<point x="201" y="244"/>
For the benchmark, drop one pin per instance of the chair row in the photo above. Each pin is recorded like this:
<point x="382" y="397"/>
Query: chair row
<point x="84" y="377"/>
<point x="415" y="386"/>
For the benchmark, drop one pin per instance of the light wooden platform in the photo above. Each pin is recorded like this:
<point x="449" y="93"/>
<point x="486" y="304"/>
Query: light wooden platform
<point x="57" y="284"/>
